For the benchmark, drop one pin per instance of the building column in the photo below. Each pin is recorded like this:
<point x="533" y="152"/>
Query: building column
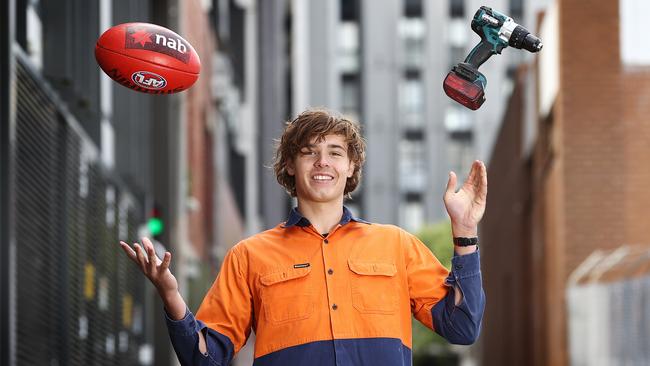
<point x="379" y="80"/>
<point x="437" y="62"/>
<point x="273" y="102"/>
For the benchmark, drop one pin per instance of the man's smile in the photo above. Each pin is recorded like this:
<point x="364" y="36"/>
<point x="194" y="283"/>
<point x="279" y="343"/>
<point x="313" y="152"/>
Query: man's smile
<point x="322" y="177"/>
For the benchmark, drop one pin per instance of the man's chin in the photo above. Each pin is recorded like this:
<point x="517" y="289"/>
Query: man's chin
<point x="323" y="197"/>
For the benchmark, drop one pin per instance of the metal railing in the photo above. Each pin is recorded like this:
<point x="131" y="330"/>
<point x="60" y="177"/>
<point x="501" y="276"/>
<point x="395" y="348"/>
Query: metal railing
<point x="77" y="300"/>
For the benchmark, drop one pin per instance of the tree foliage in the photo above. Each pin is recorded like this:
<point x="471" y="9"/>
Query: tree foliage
<point x="437" y="237"/>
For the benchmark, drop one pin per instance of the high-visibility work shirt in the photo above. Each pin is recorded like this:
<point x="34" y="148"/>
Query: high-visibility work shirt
<point x="337" y="300"/>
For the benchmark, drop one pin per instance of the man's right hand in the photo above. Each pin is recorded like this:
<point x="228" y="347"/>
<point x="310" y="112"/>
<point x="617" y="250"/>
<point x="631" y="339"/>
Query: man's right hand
<point x="157" y="271"/>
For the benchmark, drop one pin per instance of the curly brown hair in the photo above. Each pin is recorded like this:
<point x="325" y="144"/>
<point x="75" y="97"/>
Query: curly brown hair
<point x="318" y="123"/>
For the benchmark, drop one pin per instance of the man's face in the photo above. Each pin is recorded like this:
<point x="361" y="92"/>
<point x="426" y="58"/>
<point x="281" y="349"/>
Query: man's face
<point x="321" y="170"/>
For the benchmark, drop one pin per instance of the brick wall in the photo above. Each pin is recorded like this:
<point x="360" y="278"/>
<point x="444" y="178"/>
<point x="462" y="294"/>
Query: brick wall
<point x="199" y="110"/>
<point x="593" y="137"/>
<point x="588" y="181"/>
<point x="505" y="244"/>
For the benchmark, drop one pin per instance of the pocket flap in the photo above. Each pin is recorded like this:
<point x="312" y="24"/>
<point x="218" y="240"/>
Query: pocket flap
<point x="372" y="268"/>
<point x="284" y="275"/>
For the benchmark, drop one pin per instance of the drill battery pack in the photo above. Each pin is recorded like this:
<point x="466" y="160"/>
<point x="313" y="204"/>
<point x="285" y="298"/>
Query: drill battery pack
<point x="466" y="85"/>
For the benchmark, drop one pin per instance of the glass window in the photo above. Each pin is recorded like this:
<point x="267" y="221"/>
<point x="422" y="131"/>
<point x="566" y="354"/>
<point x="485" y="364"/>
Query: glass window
<point x="460" y="154"/>
<point x="412" y="166"/>
<point x="412" y="32"/>
<point x="457" y="8"/>
<point x="349" y="47"/>
<point x="350" y="95"/>
<point x="516" y="9"/>
<point x="412" y="8"/>
<point x="411" y="102"/>
<point x="412" y="216"/>
<point x="458" y="32"/>
<point x="457" y="119"/>
<point x="456" y="55"/>
<point x="349" y="10"/>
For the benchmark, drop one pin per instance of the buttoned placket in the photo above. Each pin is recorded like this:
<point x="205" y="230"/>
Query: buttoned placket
<point x="327" y="249"/>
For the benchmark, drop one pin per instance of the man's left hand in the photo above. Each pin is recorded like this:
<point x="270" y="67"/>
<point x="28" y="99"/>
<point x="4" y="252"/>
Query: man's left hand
<point x="466" y="207"/>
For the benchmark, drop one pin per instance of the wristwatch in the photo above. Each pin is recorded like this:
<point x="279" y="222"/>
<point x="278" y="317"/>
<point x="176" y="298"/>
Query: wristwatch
<point x="465" y="242"/>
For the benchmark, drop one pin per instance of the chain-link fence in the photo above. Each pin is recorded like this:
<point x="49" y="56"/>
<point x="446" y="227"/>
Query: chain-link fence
<point x="77" y="300"/>
<point x="609" y="309"/>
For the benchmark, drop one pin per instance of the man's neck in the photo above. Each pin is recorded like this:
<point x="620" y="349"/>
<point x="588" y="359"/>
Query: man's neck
<point x="323" y="216"/>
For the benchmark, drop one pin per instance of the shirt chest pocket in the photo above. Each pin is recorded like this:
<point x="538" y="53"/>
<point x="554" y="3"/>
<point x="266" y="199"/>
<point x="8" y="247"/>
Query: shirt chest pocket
<point x="374" y="287"/>
<point x="287" y="295"/>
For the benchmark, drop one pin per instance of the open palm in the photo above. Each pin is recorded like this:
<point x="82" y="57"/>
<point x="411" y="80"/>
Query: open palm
<point x="156" y="270"/>
<point x="466" y="207"/>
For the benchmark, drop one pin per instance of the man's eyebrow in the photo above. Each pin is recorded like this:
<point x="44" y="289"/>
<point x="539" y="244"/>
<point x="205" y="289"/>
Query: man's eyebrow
<point x="331" y="146"/>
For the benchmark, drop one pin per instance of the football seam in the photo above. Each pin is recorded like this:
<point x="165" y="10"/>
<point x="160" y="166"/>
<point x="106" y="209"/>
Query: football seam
<point x="151" y="62"/>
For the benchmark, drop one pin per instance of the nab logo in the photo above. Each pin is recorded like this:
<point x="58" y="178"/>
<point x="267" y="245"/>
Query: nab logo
<point x="148" y="80"/>
<point x="175" y="44"/>
<point x="157" y="40"/>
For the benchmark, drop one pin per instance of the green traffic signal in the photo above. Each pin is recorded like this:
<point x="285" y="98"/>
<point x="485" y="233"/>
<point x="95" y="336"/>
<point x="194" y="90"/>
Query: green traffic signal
<point x="155" y="226"/>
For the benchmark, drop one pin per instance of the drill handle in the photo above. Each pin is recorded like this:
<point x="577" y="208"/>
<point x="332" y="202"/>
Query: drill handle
<point x="480" y="53"/>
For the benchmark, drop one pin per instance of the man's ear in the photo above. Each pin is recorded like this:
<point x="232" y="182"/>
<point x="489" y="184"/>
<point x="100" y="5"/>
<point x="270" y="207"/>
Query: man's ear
<point x="291" y="170"/>
<point x="351" y="170"/>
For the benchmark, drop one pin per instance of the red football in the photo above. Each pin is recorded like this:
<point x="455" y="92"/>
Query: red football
<point x="147" y="58"/>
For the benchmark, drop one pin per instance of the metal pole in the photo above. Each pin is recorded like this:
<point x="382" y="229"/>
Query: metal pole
<point x="7" y="239"/>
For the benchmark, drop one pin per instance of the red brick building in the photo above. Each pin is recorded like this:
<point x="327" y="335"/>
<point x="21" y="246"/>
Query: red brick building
<point x="580" y="186"/>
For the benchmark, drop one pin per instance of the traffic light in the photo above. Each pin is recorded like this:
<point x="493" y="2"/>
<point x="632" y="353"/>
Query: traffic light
<point x="155" y="224"/>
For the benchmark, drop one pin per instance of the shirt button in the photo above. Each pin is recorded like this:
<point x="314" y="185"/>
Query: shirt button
<point x="330" y="271"/>
<point x="326" y="241"/>
<point x="334" y="307"/>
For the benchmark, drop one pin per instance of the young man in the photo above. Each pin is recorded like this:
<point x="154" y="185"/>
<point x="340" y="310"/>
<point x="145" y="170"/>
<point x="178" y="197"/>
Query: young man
<point x="326" y="288"/>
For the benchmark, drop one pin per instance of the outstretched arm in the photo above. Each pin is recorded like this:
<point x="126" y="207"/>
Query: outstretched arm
<point x="458" y="316"/>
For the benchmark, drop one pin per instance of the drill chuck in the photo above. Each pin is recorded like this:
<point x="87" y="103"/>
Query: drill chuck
<point x="522" y="38"/>
<point x="532" y="43"/>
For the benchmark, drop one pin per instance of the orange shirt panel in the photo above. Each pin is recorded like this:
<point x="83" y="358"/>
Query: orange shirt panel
<point x="292" y="286"/>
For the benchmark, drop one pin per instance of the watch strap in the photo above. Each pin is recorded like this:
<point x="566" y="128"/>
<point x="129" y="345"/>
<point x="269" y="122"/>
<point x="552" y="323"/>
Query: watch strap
<point x="465" y="242"/>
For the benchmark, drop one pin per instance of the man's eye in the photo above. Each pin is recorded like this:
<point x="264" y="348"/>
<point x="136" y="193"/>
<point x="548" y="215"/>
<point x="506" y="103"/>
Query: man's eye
<point x="337" y="153"/>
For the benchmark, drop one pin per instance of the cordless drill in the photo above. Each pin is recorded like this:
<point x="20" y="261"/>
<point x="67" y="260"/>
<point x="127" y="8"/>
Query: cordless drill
<point x="464" y="83"/>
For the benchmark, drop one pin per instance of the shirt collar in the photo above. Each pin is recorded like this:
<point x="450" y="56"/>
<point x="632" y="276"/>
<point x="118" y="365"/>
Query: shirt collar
<point x="297" y="219"/>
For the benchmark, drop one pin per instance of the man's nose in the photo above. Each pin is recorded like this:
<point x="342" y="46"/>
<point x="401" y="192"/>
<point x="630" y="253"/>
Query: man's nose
<point x="321" y="160"/>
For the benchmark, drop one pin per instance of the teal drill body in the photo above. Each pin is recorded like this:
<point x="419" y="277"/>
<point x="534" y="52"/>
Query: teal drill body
<point x="488" y="30"/>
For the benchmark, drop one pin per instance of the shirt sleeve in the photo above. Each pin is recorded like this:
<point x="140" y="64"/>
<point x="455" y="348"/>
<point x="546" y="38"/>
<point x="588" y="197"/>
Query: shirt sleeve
<point x="184" y="338"/>
<point x="224" y="317"/>
<point x="432" y="290"/>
